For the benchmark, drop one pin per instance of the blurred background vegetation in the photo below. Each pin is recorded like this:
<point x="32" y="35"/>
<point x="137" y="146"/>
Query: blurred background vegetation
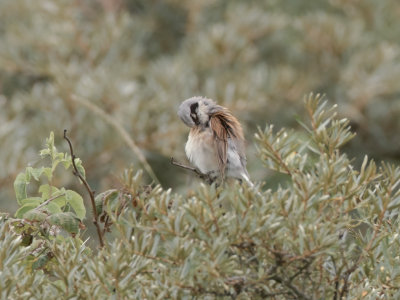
<point x="138" y="59"/>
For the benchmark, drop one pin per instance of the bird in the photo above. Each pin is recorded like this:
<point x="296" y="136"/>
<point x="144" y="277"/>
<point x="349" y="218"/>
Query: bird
<point x="215" y="144"/>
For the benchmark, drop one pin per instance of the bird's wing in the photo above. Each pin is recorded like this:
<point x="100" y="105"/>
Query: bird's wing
<point x="237" y="146"/>
<point x="220" y="142"/>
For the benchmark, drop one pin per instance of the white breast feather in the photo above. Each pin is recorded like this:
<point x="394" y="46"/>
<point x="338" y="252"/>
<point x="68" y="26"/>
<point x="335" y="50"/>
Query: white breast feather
<point x="200" y="152"/>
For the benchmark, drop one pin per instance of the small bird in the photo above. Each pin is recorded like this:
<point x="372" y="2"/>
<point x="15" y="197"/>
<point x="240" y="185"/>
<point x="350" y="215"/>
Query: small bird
<point x="215" y="144"/>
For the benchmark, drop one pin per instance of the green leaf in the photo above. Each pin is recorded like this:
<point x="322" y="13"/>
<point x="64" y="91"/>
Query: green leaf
<point x="20" y="185"/>
<point x="80" y="168"/>
<point x="24" y="209"/>
<point x="104" y="198"/>
<point x="66" y="161"/>
<point x="44" y="152"/>
<point x="48" y="172"/>
<point x="48" y="191"/>
<point x="32" y="200"/>
<point x="76" y="202"/>
<point x="50" y="144"/>
<point x="99" y="203"/>
<point x="35" y="215"/>
<point x="60" y="200"/>
<point x="53" y="208"/>
<point x="35" y="172"/>
<point x="67" y="221"/>
<point x="40" y="262"/>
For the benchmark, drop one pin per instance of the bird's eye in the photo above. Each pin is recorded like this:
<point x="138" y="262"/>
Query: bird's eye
<point x="193" y="112"/>
<point x="193" y="108"/>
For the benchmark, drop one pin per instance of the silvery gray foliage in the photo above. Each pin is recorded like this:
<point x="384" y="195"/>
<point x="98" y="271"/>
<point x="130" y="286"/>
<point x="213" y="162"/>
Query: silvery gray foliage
<point x="329" y="231"/>
<point x="258" y="58"/>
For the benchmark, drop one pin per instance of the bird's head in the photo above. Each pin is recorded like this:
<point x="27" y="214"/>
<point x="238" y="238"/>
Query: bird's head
<point x="196" y="111"/>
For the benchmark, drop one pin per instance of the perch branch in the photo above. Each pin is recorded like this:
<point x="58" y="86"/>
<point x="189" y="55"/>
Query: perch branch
<point x="178" y="164"/>
<point x="87" y="186"/>
<point x="206" y="177"/>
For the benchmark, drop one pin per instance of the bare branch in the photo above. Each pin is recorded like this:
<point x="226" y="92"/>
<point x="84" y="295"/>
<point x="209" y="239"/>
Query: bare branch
<point x="291" y="287"/>
<point x="88" y="188"/>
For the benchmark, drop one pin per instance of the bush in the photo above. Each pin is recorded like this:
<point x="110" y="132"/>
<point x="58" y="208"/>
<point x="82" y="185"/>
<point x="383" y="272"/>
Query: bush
<point x="137" y="62"/>
<point x="328" y="231"/>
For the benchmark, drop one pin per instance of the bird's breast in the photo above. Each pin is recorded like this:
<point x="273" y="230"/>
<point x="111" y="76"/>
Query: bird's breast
<point x="200" y="150"/>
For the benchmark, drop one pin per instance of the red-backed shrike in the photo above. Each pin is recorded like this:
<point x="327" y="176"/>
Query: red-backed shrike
<point x="216" y="144"/>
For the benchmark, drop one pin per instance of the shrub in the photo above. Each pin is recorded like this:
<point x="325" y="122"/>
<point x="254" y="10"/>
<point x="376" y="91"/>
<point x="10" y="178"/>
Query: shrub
<point x="138" y="62"/>
<point x="328" y="231"/>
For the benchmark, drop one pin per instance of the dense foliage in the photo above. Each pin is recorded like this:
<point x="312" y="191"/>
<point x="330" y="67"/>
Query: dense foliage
<point x="138" y="59"/>
<point x="324" y="225"/>
<point x="329" y="232"/>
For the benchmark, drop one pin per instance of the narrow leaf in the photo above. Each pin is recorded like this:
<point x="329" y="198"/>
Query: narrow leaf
<point x="20" y="185"/>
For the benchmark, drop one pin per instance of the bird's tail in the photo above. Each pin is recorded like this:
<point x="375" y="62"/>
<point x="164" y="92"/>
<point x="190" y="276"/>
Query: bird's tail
<point x="251" y="184"/>
<point x="247" y="179"/>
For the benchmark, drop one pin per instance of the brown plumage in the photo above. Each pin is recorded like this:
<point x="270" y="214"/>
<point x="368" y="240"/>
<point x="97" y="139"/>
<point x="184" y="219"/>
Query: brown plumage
<point x="224" y="126"/>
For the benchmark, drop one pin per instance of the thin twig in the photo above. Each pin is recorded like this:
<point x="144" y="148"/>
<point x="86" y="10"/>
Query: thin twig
<point x="178" y="164"/>
<point x="356" y="264"/>
<point x="121" y="130"/>
<point x="106" y="225"/>
<point x="87" y="186"/>
<point x="336" y="294"/>
<point x="293" y="289"/>
<point x="49" y="200"/>
<point x="300" y="270"/>
<point x="206" y="177"/>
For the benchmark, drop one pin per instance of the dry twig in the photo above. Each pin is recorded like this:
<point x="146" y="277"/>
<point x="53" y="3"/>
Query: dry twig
<point x="88" y="188"/>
